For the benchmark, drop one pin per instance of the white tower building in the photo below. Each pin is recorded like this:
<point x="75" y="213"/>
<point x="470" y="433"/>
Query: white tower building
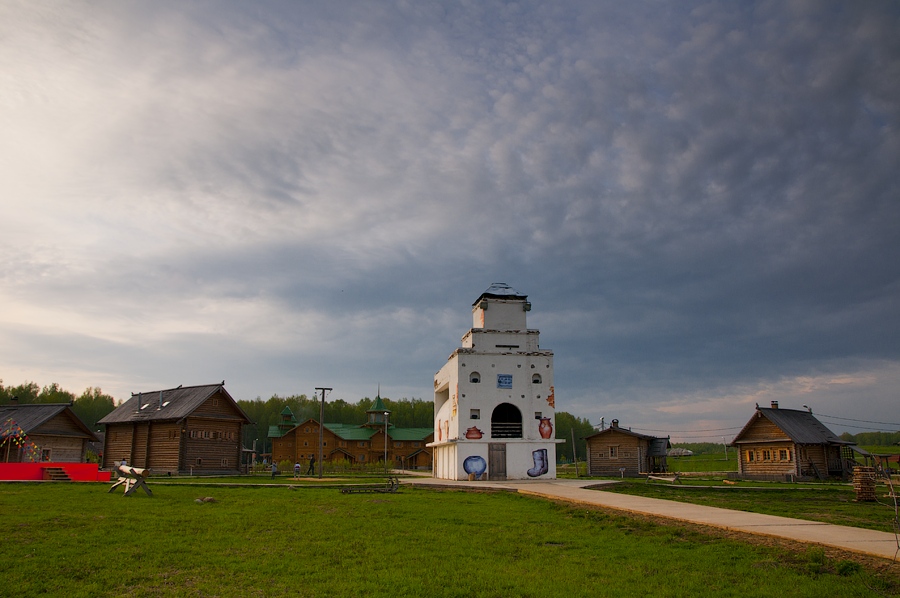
<point x="494" y="407"/>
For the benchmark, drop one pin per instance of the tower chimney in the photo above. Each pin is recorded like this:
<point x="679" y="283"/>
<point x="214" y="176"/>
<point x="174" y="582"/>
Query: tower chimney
<point x="774" y="404"/>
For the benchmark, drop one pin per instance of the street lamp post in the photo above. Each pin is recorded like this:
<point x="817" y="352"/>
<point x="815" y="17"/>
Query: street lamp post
<point x="321" y="427"/>
<point x="385" y="441"/>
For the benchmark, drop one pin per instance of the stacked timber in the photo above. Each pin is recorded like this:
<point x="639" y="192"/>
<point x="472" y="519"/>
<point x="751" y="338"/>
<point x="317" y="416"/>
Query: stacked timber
<point x="864" y="483"/>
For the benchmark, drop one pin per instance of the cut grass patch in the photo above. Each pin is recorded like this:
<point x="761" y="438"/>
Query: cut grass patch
<point x="77" y="540"/>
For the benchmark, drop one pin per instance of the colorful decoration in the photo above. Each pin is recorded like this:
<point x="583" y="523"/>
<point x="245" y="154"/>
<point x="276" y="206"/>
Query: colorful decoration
<point x="551" y="398"/>
<point x="14" y="435"/>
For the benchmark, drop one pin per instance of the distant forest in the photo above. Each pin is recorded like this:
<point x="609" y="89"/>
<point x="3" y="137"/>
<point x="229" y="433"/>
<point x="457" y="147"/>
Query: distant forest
<point x="92" y="405"/>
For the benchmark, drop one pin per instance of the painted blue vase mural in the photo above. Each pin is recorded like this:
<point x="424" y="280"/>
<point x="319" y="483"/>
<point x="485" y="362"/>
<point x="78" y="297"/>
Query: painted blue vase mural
<point x="475" y="465"/>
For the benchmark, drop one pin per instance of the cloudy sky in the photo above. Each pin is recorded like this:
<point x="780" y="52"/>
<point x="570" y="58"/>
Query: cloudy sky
<point x="702" y="200"/>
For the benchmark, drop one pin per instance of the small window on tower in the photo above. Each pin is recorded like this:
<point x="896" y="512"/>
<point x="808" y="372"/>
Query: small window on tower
<point x="475" y="378"/>
<point x="474" y="413"/>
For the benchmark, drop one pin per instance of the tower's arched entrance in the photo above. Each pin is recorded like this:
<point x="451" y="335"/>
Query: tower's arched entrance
<point x="506" y="421"/>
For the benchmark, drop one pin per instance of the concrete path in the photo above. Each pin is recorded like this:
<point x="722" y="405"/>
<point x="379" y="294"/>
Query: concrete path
<point x="864" y="541"/>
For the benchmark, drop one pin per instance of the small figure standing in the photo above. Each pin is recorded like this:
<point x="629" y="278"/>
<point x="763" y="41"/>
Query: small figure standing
<point x="297" y="471"/>
<point x="312" y="465"/>
<point x="274" y="470"/>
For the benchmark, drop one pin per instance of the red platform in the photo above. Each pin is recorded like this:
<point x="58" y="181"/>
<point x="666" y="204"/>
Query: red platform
<point x="77" y="472"/>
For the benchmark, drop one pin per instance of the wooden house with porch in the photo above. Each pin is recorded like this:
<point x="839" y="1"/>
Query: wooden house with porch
<point x="779" y="444"/>
<point x="619" y="452"/>
<point x="297" y="442"/>
<point x="53" y="431"/>
<point x="190" y="429"/>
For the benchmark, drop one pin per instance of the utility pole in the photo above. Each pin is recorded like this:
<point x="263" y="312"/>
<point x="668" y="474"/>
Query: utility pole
<point x="385" y="441"/>
<point x="322" y="428"/>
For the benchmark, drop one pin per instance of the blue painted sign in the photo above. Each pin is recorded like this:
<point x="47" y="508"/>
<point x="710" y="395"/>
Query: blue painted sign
<point x="504" y="380"/>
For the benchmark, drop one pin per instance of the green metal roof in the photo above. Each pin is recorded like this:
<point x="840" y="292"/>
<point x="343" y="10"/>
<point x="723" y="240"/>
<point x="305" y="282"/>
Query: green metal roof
<point x="351" y="432"/>
<point x="378" y="406"/>
<point x="410" y="433"/>
<point x="354" y="432"/>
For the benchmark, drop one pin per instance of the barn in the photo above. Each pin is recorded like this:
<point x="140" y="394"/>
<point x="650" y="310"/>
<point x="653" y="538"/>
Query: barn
<point x="190" y="429"/>
<point x="789" y="444"/>
<point x="617" y="451"/>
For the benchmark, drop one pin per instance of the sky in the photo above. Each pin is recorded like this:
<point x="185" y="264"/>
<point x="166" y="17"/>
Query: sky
<point x="700" y="199"/>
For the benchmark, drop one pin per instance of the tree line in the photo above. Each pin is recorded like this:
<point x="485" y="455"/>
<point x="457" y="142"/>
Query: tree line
<point x="93" y="405"/>
<point x="90" y="406"/>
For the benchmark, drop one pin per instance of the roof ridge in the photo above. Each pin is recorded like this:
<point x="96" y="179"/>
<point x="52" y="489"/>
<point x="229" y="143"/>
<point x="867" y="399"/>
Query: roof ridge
<point x="179" y="387"/>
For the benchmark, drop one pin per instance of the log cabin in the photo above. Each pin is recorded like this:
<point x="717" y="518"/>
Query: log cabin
<point x="297" y="441"/>
<point x="778" y="444"/>
<point x="53" y="431"/>
<point x="184" y="430"/>
<point x="619" y="452"/>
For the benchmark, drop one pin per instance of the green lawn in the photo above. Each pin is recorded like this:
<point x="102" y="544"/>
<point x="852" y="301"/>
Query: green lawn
<point x="78" y="540"/>
<point x="829" y="503"/>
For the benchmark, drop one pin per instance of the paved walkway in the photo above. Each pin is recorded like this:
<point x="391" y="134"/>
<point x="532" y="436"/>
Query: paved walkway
<point x="870" y="542"/>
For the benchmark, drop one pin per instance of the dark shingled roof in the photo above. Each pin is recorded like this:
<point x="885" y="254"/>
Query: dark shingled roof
<point x="171" y="404"/>
<point x="32" y="416"/>
<point x="800" y="426"/>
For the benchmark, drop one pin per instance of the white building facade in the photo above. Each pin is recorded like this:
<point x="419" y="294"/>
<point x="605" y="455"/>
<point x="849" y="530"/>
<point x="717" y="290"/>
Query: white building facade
<point x="494" y="403"/>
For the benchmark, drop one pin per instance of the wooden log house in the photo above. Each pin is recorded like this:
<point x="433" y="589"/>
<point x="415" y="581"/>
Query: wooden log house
<point x="297" y="442"/>
<point x="782" y="444"/>
<point x="55" y="431"/>
<point x="184" y="430"/>
<point x="617" y="451"/>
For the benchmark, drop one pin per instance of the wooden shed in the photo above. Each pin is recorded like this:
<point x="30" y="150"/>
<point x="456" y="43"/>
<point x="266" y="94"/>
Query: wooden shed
<point x="53" y="430"/>
<point x="617" y="451"/>
<point x="192" y="429"/>
<point x="789" y="443"/>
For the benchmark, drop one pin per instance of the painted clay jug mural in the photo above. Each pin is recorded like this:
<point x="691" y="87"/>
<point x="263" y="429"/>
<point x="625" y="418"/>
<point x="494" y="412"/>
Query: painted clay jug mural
<point x="473" y="433"/>
<point x="546" y="428"/>
<point x="475" y="465"/>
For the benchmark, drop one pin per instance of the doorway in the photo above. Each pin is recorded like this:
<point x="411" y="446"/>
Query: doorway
<point x="496" y="461"/>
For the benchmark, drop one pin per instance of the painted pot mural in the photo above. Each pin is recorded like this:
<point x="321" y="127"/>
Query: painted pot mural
<point x="546" y="428"/>
<point x="473" y="433"/>
<point x="475" y="465"/>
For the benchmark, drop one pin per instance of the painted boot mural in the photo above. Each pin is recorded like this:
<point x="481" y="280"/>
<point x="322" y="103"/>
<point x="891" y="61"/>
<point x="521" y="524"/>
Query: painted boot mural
<point x="540" y="463"/>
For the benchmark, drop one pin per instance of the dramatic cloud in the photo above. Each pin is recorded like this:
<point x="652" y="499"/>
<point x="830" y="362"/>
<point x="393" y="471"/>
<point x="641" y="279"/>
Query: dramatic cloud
<point x="701" y="199"/>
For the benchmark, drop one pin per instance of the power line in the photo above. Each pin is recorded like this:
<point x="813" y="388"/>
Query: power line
<point x="689" y="431"/>
<point x="865" y="421"/>
<point x="861" y="427"/>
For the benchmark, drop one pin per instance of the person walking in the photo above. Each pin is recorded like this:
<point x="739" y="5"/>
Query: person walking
<point x="312" y="465"/>
<point x="274" y="470"/>
<point x="297" y="470"/>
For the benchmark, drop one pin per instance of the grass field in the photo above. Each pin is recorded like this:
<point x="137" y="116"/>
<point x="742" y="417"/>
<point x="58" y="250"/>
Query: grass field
<point x="78" y="540"/>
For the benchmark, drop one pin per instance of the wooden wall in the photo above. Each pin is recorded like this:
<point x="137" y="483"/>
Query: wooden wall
<point x="63" y="449"/>
<point x="66" y="440"/>
<point x="117" y="445"/>
<point x="298" y="445"/>
<point x="631" y="454"/>
<point x="211" y="445"/>
<point x="767" y="459"/>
